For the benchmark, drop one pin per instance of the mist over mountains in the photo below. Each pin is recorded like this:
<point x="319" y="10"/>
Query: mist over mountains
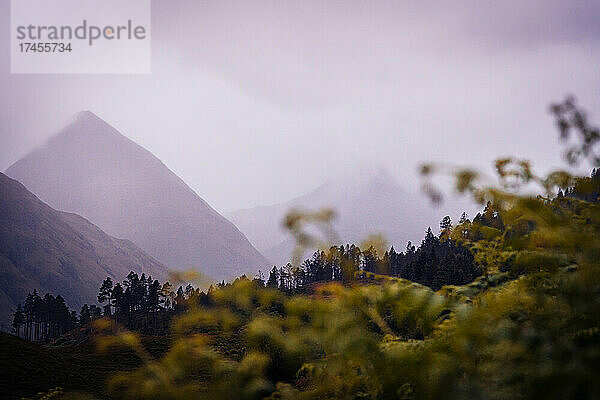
<point x="91" y="169"/>
<point x="366" y="201"/>
<point x="57" y="252"/>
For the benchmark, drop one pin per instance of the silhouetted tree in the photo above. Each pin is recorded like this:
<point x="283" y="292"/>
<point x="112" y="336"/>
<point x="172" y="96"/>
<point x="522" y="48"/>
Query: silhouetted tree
<point x="105" y="294"/>
<point x="273" y="281"/>
<point x="445" y="226"/>
<point x="18" y="320"/>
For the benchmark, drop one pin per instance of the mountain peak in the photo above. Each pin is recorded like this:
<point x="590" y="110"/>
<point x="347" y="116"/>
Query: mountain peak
<point x="87" y="119"/>
<point x="365" y="178"/>
<point x="374" y="173"/>
<point x="86" y="130"/>
<point x="85" y="114"/>
<point x="91" y="169"/>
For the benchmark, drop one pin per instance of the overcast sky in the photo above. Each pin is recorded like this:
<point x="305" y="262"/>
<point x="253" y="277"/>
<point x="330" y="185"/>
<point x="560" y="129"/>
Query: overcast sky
<point x="256" y="102"/>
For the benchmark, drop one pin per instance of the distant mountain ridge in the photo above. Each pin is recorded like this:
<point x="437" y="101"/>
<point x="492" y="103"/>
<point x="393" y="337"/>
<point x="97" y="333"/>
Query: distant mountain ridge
<point x="91" y="169"/>
<point x="367" y="201"/>
<point x="57" y="252"/>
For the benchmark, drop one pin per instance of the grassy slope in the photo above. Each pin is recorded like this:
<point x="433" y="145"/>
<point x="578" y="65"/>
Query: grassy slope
<point x="27" y="368"/>
<point x="74" y="364"/>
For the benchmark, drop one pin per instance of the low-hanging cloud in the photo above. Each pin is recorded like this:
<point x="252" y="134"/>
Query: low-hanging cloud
<point x="257" y="102"/>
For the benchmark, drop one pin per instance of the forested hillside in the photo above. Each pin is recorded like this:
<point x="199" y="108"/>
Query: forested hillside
<point x="501" y="306"/>
<point x="56" y="252"/>
<point x="528" y="327"/>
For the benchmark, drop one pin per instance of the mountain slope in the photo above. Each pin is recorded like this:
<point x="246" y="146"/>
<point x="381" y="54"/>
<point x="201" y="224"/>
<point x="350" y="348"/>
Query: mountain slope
<point x="366" y="202"/>
<point x="52" y="251"/>
<point x="89" y="168"/>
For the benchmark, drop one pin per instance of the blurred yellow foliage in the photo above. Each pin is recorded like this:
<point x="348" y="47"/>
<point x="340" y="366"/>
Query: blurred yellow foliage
<point x="528" y="328"/>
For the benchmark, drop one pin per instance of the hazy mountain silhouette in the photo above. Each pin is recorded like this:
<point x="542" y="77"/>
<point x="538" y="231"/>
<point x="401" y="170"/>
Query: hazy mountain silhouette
<point x="93" y="170"/>
<point x="57" y="252"/>
<point x="367" y="201"/>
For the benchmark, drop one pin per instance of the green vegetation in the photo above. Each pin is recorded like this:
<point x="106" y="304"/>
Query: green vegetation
<point x="144" y="305"/>
<point x="527" y="328"/>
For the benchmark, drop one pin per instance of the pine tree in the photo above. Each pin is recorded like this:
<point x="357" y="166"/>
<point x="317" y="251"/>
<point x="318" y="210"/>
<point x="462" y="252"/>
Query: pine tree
<point x="166" y="292"/>
<point x="445" y="224"/>
<point x="84" y="315"/>
<point x="118" y="300"/>
<point x="445" y="227"/>
<point x="189" y="290"/>
<point x="180" y="300"/>
<point x="105" y="294"/>
<point x="273" y="280"/>
<point x="18" y="320"/>
<point x="370" y="260"/>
